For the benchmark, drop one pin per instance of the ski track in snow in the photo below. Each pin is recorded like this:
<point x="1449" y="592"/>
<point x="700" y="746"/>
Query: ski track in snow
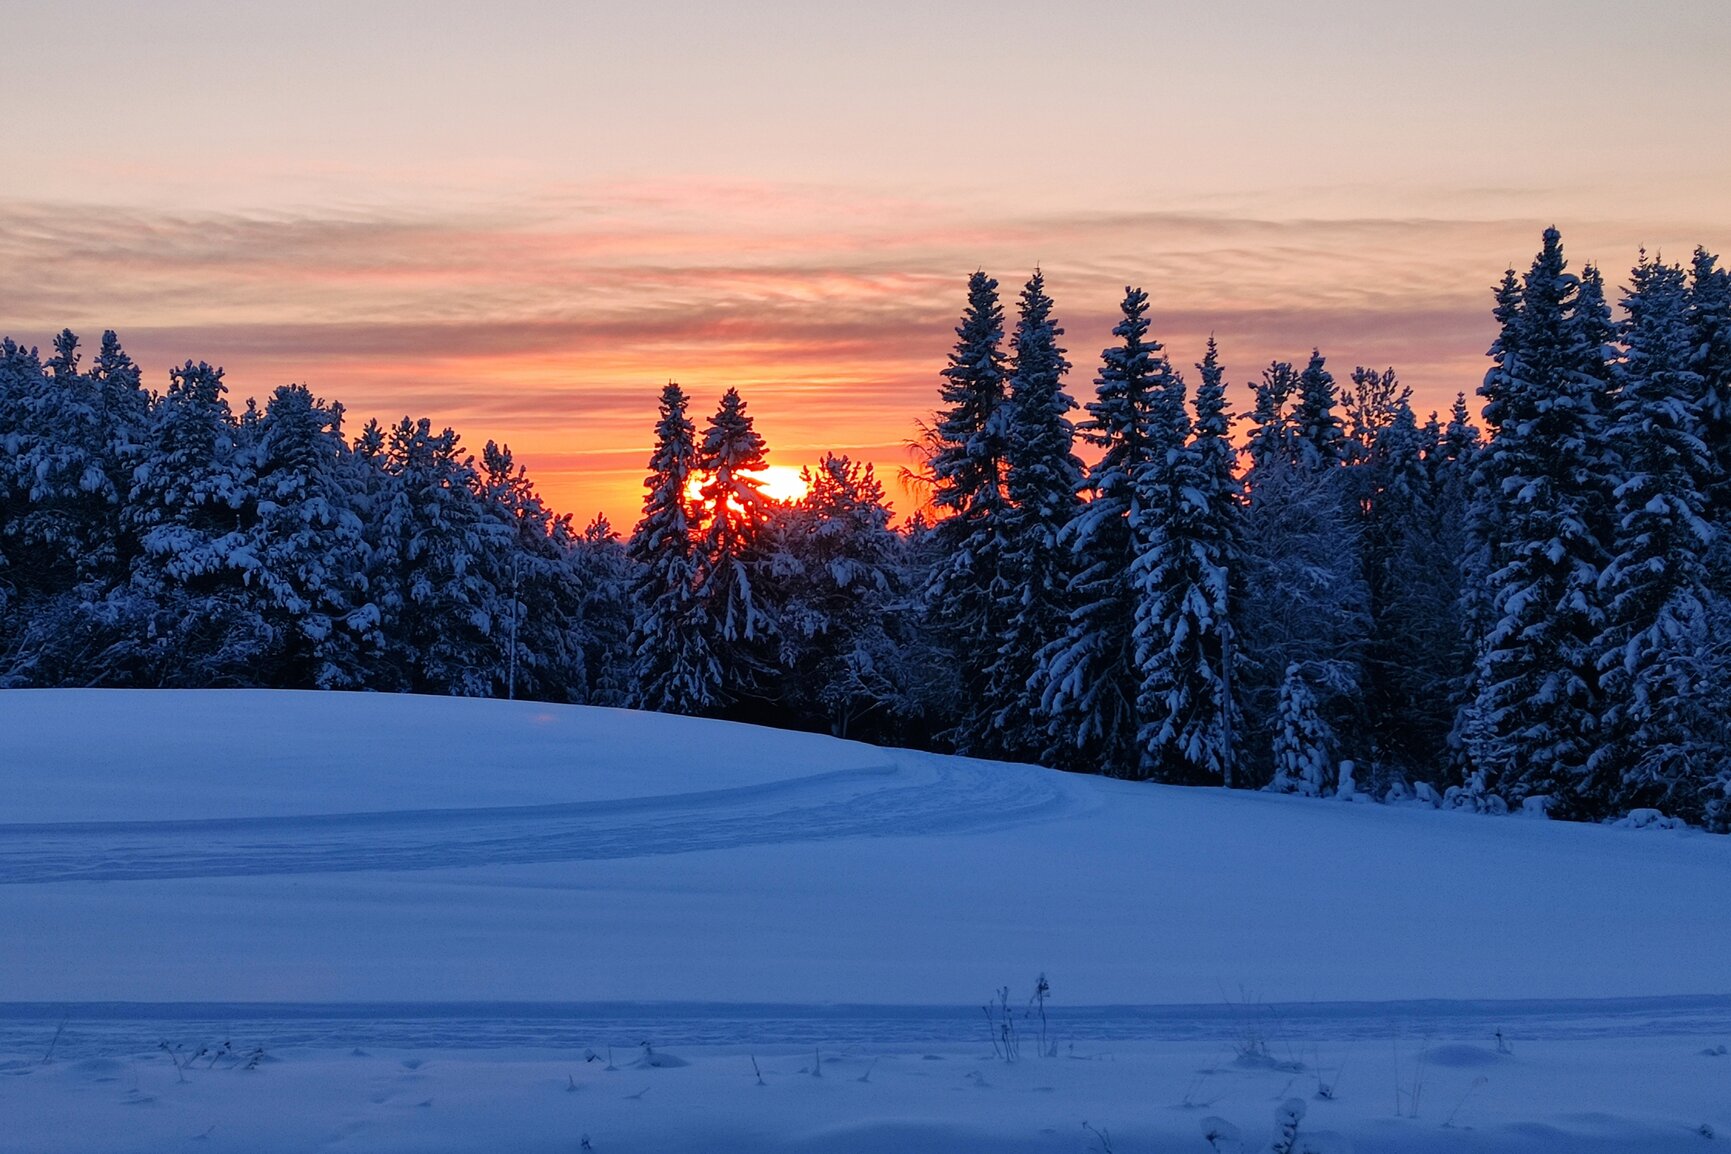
<point x="1291" y="1031"/>
<point x="911" y="794"/>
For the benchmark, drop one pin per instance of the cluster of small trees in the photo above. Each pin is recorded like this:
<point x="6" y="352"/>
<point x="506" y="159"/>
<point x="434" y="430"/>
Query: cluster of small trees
<point x="1345" y="597"/>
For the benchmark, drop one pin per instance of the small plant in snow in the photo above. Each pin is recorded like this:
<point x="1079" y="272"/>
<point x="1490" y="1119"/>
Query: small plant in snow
<point x="1001" y="1021"/>
<point x="1326" y="1088"/>
<point x="1102" y="1139"/>
<point x="54" y="1042"/>
<point x="1502" y="1043"/>
<point x="1415" y="1090"/>
<point x="757" y="1071"/>
<point x="174" y="1056"/>
<point x="1042" y="991"/>
<point x="1448" y="1123"/>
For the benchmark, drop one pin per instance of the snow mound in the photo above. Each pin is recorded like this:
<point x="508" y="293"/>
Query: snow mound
<point x="322" y="848"/>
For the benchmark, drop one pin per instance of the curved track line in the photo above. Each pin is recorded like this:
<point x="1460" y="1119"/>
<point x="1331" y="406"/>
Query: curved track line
<point x="913" y="794"/>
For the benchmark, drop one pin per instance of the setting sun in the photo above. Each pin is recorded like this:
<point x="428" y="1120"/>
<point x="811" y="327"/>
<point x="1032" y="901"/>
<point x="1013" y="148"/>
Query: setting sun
<point x="782" y="482"/>
<point x="777" y="482"/>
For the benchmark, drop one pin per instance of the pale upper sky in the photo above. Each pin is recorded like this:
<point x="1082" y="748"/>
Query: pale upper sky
<point x="521" y="219"/>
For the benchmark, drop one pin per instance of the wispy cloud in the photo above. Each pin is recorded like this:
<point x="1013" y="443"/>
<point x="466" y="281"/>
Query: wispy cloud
<point x="550" y="322"/>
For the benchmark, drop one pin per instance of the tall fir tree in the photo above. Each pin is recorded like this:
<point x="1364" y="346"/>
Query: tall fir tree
<point x="966" y="591"/>
<point x="732" y="561"/>
<point x="1320" y="433"/>
<point x="1183" y="620"/>
<point x="1089" y="678"/>
<point x="1042" y="476"/>
<point x="1663" y="734"/>
<point x="1709" y="327"/>
<point x="674" y="670"/>
<point x="1546" y="484"/>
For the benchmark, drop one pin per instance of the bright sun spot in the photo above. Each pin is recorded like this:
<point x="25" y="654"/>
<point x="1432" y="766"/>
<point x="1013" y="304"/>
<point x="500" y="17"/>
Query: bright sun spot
<point x="782" y="483"/>
<point x="778" y="482"/>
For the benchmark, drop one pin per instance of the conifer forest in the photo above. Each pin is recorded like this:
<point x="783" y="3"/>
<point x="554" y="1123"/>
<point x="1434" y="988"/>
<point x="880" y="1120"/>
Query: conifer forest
<point x="1277" y="578"/>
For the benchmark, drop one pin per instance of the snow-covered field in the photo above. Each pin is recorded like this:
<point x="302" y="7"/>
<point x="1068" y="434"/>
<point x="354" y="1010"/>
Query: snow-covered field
<point x="415" y="919"/>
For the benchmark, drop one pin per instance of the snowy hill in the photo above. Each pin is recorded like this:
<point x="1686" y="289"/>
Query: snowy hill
<point x="723" y="889"/>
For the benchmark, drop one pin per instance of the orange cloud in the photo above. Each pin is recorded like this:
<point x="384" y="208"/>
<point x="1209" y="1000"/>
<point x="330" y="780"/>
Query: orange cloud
<point x="551" y="323"/>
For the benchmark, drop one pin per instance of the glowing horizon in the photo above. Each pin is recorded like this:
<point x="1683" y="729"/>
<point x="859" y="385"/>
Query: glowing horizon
<point x="521" y="224"/>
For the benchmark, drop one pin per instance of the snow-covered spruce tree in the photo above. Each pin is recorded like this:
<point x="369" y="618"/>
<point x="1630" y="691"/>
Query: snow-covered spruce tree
<point x="1372" y="404"/>
<point x="1452" y="462"/>
<point x="674" y="670"/>
<point x="191" y="486"/>
<point x="1303" y="742"/>
<point x="606" y="580"/>
<point x="732" y="559"/>
<point x="1545" y="482"/>
<point x="1273" y="434"/>
<point x="835" y="568"/>
<point x="966" y="594"/>
<point x="189" y="508"/>
<point x="65" y="534"/>
<point x="308" y="548"/>
<point x="1320" y="433"/>
<point x="535" y="571"/>
<point x="1662" y="726"/>
<point x="442" y="610"/>
<point x="1041" y="477"/>
<point x="1219" y="551"/>
<point x="1089" y="678"/>
<point x="1709" y="324"/>
<point x="1183" y="621"/>
<point x="1415" y="655"/>
<point x="126" y="418"/>
<point x="1710" y="345"/>
<point x="20" y="377"/>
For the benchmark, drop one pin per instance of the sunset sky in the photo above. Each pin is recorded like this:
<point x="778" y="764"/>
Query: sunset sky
<point x="522" y="219"/>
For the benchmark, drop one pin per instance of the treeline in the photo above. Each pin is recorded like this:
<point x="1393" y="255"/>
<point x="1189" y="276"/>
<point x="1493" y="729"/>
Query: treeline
<point x="1341" y="598"/>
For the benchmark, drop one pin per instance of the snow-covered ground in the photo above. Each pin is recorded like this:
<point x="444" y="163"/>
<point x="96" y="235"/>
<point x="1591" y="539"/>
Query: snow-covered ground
<point x="426" y="912"/>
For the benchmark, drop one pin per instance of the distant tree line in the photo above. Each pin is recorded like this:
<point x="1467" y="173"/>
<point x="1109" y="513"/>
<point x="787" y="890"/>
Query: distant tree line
<point x="1342" y="599"/>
